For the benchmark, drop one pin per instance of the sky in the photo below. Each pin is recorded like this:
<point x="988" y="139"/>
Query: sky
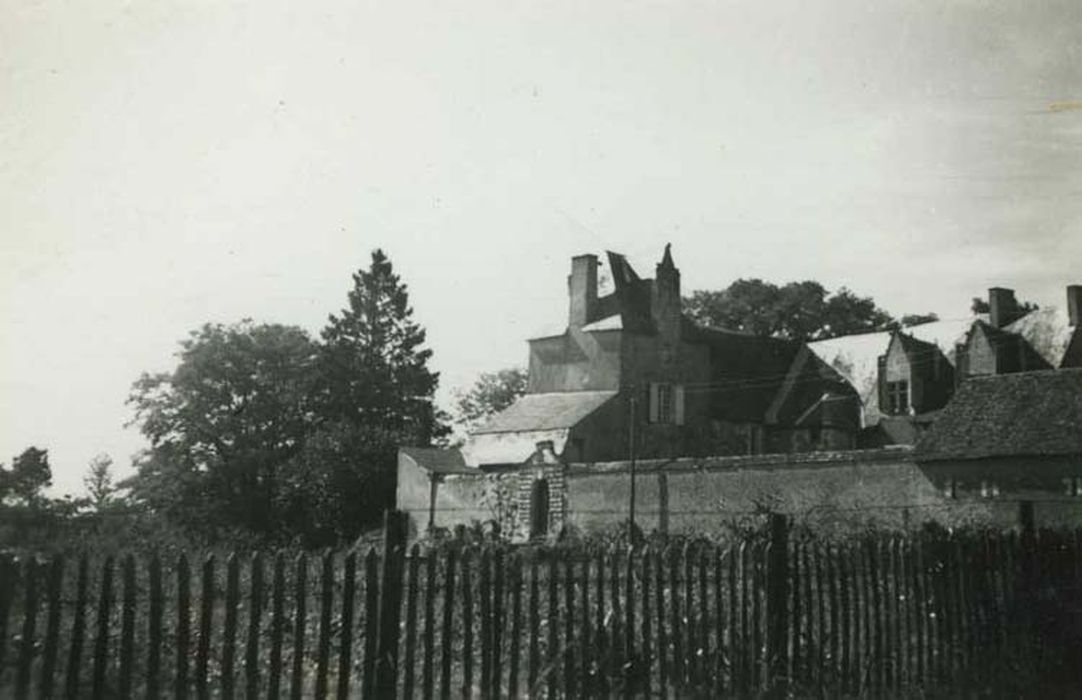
<point x="165" y="164"/>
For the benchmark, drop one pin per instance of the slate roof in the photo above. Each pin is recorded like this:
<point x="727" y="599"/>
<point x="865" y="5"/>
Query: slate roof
<point x="1021" y="414"/>
<point x="856" y="357"/>
<point x="1048" y="331"/>
<point x="551" y="411"/>
<point x="439" y="460"/>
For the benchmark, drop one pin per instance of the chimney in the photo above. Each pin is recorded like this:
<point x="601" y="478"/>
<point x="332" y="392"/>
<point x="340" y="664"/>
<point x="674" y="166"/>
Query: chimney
<point x="666" y="296"/>
<point x="582" y="289"/>
<point x="1074" y="304"/>
<point x="1002" y="306"/>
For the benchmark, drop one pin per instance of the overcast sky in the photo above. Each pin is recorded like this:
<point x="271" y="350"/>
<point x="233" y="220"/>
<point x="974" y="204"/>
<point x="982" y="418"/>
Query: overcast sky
<point x="166" y="164"/>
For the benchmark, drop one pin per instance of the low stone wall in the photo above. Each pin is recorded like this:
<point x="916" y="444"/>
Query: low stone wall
<point x="833" y="492"/>
<point x="842" y="491"/>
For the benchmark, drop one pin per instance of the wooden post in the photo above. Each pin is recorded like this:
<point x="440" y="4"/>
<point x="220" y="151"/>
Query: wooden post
<point x="184" y="621"/>
<point x="300" y="616"/>
<point x="394" y="533"/>
<point x="447" y="631"/>
<point x="8" y="574"/>
<point x="30" y="616"/>
<point x="326" y="612"/>
<point x="371" y="623"/>
<point x="255" y="613"/>
<point x="411" y="630"/>
<point x="101" y="644"/>
<point x="516" y="625"/>
<point x="229" y="638"/>
<point x="430" y="626"/>
<point x="155" y="632"/>
<point x="78" y="630"/>
<point x="277" y="626"/>
<point x="52" y="630"/>
<point x="467" y="625"/>
<point x="206" y="613"/>
<point x="127" y="628"/>
<point x="777" y="593"/>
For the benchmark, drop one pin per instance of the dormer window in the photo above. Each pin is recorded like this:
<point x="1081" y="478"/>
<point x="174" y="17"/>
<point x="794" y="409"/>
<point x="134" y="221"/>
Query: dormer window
<point x="897" y="397"/>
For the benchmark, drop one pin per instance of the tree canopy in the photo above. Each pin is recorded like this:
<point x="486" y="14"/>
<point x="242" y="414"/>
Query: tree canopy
<point x="28" y="477"/>
<point x="264" y="430"/>
<point x="491" y="393"/>
<point x="796" y="310"/>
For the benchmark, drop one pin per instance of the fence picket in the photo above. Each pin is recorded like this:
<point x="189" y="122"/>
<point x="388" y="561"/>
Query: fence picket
<point x="498" y="619"/>
<point x="647" y="627"/>
<point x="8" y="574"/>
<point x="371" y="620"/>
<point x="52" y="629"/>
<point x="411" y="626"/>
<point x="570" y="649"/>
<point x="834" y="606"/>
<point x="206" y="614"/>
<point x="345" y="633"/>
<point x="485" y="595"/>
<point x="255" y="616"/>
<point x="154" y="638"/>
<point x="101" y="644"/>
<point x="845" y="618"/>
<point x="277" y="628"/>
<point x="127" y="628"/>
<point x="516" y="625"/>
<point x="534" y="628"/>
<point x="467" y="624"/>
<point x="676" y="635"/>
<point x="430" y="626"/>
<point x="30" y="617"/>
<point x="300" y="618"/>
<point x="719" y="621"/>
<point x="229" y="638"/>
<point x="658" y="561"/>
<point x="180" y="685"/>
<point x="552" y="610"/>
<point x="78" y="631"/>
<point x="326" y="612"/>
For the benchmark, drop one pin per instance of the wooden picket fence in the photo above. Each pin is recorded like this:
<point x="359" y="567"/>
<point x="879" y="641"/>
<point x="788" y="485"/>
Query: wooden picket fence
<point x="882" y="615"/>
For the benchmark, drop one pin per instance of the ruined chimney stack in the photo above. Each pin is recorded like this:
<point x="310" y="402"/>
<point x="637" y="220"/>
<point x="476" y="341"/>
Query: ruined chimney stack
<point x="1074" y="304"/>
<point x="1002" y="306"/>
<point x="582" y="290"/>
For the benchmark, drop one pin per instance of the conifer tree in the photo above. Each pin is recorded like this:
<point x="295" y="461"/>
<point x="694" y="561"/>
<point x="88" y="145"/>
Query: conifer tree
<point x="375" y="394"/>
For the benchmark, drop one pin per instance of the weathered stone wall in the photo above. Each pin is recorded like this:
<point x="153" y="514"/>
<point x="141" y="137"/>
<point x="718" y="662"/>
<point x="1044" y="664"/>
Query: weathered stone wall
<point x="833" y="492"/>
<point x="840" y="491"/>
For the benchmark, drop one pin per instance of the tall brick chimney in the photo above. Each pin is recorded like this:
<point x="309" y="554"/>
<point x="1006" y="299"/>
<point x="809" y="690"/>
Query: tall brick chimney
<point x="1074" y="304"/>
<point x="582" y="290"/>
<point x="1002" y="306"/>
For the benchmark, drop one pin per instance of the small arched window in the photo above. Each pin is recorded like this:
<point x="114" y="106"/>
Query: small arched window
<point x="539" y="508"/>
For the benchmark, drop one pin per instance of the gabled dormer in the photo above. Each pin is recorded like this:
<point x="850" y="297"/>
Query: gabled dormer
<point x="914" y="377"/>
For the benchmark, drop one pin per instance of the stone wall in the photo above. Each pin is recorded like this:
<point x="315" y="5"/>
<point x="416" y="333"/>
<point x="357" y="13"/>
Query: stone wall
<point x="833" y="492"/>
<point x="830" y="491"/>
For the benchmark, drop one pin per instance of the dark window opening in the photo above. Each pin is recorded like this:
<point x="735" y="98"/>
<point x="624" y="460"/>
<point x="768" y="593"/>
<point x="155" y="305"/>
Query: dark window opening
<point x="539" y="508"/>
<point x="897" y="397"/>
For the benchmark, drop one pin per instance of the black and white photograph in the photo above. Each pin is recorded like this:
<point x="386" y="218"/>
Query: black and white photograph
<point x="541" y="350"/>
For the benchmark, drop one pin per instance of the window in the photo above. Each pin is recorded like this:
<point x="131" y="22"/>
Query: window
<point x="897" y="397"/>
<point x="1072" y="486"/>
<point x="666" y="403"/>
<point x="950" y="490"/>
<point x="539" y="508"/>
<point x="989" y="489"/>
